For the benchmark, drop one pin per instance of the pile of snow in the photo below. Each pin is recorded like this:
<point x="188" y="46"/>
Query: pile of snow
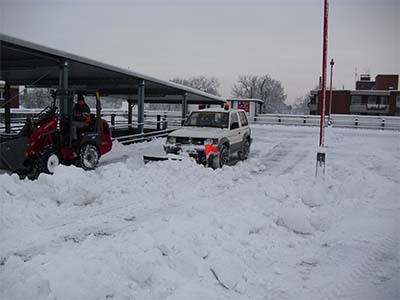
<point x="260" y="229"/>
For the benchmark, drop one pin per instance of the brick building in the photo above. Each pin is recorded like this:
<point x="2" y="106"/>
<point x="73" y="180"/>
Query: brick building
<point x="379" y="97"/>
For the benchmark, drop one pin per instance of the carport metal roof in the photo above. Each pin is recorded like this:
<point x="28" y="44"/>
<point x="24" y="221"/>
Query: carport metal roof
<point x="28" y="64"/>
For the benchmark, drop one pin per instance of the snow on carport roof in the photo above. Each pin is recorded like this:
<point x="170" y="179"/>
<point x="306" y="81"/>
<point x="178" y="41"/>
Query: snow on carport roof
<point x="245" y="100"/>
<point x="24" y="63"/>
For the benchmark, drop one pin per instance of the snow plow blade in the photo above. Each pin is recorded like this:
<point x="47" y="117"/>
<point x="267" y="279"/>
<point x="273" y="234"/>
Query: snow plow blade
<point x="148" y="158"/>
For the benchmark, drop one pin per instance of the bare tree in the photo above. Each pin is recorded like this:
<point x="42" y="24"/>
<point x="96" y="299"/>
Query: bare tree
<point x="36" y="98"/>
<point x="263" y="87"/>
<point x="206" y="84"/>
<point x="300" y="106"/>
<point x="41" y="97"/>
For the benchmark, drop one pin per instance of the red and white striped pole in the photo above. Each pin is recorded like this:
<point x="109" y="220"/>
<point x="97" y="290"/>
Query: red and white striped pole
<point x="321" y="151"/>
<point x="324" y="56"/>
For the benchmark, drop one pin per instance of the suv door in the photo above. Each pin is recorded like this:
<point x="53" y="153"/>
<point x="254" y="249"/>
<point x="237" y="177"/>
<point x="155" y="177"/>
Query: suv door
<point x="235" y="137"/>
<point x="244" y="123"/>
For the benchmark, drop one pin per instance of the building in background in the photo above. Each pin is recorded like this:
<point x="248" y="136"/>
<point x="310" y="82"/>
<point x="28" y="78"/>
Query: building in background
<point x="379" y="97"/>
<point x="251" y="106"/>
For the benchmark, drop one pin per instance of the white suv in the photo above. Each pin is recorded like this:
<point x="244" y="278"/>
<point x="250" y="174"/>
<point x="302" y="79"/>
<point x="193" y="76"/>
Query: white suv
<point x="211" y="136"/>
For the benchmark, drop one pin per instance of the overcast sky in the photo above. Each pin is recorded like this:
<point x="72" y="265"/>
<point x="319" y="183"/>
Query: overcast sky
<point x="165" y="39"/>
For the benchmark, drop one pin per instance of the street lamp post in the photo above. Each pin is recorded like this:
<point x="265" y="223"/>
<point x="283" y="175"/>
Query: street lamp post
<point x="330" y="93"/>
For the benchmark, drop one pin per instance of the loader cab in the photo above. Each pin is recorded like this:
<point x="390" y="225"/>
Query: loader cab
<point x="92" y="141"/>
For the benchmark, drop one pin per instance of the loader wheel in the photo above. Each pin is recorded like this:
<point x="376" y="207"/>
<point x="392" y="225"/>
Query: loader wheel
<point x="88" y="157"/>
<point x="244" y="153"/>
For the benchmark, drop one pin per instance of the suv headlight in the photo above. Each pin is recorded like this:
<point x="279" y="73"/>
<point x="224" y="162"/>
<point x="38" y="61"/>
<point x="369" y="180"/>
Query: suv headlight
<point x="211" y="141"/>
<point x="171" y="140"/>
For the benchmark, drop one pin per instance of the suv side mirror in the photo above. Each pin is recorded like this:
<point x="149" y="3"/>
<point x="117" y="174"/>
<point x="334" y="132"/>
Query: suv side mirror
<point x="235" y="125"/>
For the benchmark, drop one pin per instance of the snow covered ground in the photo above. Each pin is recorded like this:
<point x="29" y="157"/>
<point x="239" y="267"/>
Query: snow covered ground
<point x="261" y="229"/>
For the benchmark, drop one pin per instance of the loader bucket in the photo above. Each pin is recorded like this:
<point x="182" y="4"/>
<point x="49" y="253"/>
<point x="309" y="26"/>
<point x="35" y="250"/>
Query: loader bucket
<point x="12" y="152"/>
<point x="149" y="158"/>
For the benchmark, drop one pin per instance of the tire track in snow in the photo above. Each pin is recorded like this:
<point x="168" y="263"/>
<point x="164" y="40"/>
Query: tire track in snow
<point x="282" y="158"/>
<point x="353" y="284"/>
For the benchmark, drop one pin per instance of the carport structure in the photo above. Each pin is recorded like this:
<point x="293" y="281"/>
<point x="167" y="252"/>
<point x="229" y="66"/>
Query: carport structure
<point x="23" y="63"/>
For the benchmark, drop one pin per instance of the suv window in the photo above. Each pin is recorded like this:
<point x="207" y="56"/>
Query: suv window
<point x="208" y="119"/>
<point x="234" y="119"/>
<point x="243" y="118"/>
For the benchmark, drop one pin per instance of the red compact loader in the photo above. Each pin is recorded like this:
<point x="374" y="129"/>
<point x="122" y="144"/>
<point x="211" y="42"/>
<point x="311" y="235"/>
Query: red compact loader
<point x="45" y="140"/>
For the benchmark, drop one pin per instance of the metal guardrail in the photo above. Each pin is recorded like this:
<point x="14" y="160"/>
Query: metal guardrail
<point x="340" y="121"/>
<point x="135" y="138"/>
<point x="161" y="120"/>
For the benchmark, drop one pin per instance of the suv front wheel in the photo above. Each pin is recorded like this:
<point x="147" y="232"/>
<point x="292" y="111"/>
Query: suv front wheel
<point x="220" y="159"/>
<point x="223" y="156"/>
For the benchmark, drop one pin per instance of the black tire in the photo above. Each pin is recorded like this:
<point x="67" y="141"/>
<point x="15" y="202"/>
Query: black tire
<point x="223" y="156"/>
<point x="244" y="153"/>
<point x="43" y="164"/>
<point x="32" y="174"/>
<point x="213" y="161"/>
<point x="88" y="157"/>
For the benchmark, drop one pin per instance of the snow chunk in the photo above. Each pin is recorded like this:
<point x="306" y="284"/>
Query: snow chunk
<point x="296" y="219"/>
<point x="140" y="267"/>
<point x="315" y="195"/>
<point x="321" y="221"/>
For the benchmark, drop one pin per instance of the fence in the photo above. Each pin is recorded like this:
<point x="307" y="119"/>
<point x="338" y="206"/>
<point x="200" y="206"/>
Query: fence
<point x="163" y="120"/>
<point x="346" y="121"/>
<point x="118" y="119"/>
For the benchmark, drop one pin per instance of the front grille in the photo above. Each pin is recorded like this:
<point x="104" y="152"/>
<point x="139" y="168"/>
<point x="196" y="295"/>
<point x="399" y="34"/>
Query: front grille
<point x="187" y="140"/>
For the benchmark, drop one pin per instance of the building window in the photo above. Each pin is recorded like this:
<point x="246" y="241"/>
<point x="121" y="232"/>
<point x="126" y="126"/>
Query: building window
<point x="355" y="99"/>
<point x="364" y="99"/>
<point x="373" y="100"/>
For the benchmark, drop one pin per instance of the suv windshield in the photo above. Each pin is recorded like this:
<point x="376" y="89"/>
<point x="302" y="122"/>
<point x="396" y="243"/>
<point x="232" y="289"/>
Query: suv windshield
<point x="208" y="119"/>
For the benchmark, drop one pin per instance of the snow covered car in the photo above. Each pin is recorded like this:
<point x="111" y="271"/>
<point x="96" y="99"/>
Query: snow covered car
<point x="211" y="136"/>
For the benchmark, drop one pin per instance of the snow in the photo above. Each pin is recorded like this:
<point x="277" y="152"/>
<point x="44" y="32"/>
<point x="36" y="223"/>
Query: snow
<point x="200" y="132"/>
<point x="265" y="228"/>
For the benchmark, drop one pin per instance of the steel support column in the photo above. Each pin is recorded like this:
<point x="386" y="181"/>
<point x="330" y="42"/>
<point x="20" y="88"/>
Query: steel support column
<point x="66" y="103"/>
<point x="130" y="110"/>
<point x="7" y="107"/>
<point x="141" y="107"/>
<point x="184" y="108"/>
<point x="63" y="85"/>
